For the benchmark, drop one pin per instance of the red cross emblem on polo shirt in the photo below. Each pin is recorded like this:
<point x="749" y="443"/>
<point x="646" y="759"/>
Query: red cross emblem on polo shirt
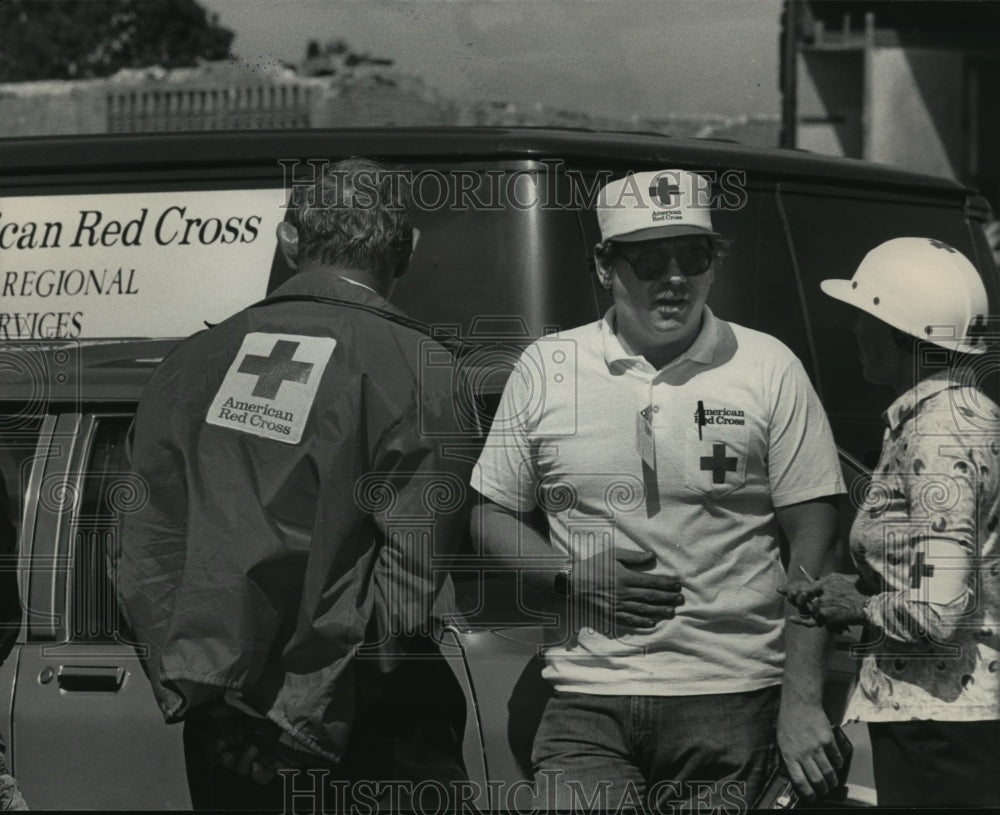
<point x="919" y="570"/>
<point x="275" y="369"/>
<point x="719" y="463"/>
<point x="663" y="191"/>
<point x="941" y="245"/>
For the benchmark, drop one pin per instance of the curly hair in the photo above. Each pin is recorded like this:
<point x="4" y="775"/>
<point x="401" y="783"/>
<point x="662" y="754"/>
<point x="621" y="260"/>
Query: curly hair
<point x="356" y="214"/>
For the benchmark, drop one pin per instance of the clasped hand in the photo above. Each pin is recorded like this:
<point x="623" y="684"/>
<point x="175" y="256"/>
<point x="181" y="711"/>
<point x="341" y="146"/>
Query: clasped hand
<point x="250" y="747"/>
<point x="832" y="601"/>
<point x="619" y="596"/>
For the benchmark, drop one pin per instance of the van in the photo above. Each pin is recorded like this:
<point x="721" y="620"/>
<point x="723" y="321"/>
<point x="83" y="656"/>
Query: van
<point x="112" y="248"/>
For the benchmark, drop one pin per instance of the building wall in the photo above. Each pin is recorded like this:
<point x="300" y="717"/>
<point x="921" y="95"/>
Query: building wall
<point x="218" y="97"/>
<point x="830" y="102"/>
<point x="195" y="106"/>
<point x="374" y="103"/>
<point x="104" y="106"/>
<point x="215" y="101"/>
<point x="44" y="108"/>
<point x="916" y="98"/>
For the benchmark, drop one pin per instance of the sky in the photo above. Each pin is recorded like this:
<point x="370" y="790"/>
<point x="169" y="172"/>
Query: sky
<point x="621" y="57"/>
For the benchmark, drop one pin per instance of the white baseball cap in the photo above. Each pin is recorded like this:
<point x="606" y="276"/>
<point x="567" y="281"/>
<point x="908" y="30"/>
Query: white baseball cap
<point x="659" y="204"/>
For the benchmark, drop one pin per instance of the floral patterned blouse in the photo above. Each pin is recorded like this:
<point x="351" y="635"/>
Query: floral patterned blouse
<point x="925" y="542"/>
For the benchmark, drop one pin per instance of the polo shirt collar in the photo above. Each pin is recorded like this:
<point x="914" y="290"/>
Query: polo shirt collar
<point x="702" y="350"/>
<point x="903" y="408"/>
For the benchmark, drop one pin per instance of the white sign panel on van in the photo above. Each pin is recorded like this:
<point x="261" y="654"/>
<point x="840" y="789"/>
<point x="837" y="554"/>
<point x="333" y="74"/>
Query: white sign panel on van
<point x="153" y="264"/>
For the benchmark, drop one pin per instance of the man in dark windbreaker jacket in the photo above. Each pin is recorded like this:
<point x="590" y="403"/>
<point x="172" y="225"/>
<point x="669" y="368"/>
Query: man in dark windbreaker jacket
<point x="301" y="516"/>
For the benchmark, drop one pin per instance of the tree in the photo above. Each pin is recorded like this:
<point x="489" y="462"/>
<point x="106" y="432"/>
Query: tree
<point x="79" y="39"/>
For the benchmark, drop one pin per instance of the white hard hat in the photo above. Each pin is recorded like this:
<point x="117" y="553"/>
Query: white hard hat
<point x="649" y="205"/>
<point x="921" y="286"/>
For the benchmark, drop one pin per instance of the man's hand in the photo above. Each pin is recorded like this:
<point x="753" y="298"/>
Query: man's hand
<point x="245" y="760"/>
<point x="808" y="747"/>
<point x="236" y="746"/>
<point x="250" y="746"/>
<point x="833" y="601"/>
<point x="805" y="737"/>
<point x="619" y="596"/>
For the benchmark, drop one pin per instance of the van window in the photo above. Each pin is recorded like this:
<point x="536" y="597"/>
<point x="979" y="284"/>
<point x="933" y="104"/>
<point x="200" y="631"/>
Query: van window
<point x="756" y="285"/>
<point x="106" y="489"/>
<point x="830" y="236"/>
<point x="17" y="453"/>
<point x="494" y="243"/>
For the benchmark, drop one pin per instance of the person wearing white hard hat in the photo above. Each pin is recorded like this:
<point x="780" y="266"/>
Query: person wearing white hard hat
<point x="925" y="538"/>
<point x="666" y="475"/>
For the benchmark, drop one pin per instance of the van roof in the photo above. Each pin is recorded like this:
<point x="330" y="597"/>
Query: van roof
<point x="221" y="150"/>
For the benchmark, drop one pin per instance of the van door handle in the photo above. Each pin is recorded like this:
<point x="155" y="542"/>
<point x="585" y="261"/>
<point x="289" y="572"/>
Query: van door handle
<point x="107" y="678"/>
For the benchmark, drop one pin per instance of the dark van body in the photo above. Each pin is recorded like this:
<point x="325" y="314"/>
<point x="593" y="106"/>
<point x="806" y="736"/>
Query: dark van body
<point x="505" y="256"/>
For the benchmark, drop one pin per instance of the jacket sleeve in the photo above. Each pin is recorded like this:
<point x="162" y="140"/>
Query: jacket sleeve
<point x="150" y="554"/>
<point x="418" y="497"/>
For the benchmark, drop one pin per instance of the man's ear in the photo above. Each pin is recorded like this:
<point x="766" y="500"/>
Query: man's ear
<point x="603" y="266"/>
<point x="404" y="266"/>
<point x="288" y="240"/>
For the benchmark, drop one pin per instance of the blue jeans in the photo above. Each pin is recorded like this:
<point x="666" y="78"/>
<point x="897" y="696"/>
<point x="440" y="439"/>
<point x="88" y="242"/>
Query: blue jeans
<point x="659" y="753"/>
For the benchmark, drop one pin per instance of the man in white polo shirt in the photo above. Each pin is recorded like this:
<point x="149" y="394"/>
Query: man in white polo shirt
<point x="665" y="475"/>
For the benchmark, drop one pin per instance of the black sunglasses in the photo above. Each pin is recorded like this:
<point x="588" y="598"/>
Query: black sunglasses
<point x="693" y="259"/>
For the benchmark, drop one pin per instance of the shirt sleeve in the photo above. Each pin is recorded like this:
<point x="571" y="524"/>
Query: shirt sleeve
<point x="802" y="456"/>
<point x="939" y="475"/>
<point x="507" y="472"/>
